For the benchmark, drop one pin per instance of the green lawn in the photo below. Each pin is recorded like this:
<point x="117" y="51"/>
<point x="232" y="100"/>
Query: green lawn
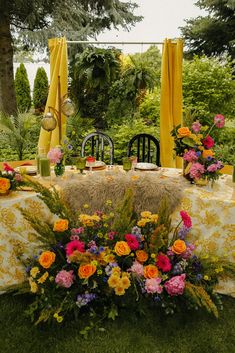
<point x="191" y="332"/>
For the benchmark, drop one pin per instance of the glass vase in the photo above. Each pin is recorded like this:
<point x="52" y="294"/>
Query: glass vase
<point x="59" y="169"/>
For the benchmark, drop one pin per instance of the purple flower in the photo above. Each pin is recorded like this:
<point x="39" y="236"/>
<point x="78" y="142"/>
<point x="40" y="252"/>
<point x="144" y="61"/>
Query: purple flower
<point x="183" y="232"/>
<point x="84" y="299"/>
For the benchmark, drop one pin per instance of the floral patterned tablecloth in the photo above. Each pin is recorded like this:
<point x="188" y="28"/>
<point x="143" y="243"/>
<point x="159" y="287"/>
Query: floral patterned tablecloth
<point x="212" y="211"/>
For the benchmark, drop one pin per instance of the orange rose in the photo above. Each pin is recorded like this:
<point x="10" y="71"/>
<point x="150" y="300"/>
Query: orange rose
<point x="141" y="255"/>
<point x="207" y="153"/>
<point x="86" y="271"/>
<point x="150" y="271"/>
<point x="5" y="185"/>
<point x="47" y="258"/>
<point x="61" y="225"/>
<point x="122" y="248"/>
<point x="178" y="247"/>
<point x="184" y="132"/>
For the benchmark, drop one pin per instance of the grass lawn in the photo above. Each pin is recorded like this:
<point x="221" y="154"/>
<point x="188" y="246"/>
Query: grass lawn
<point x="190" y="332"/>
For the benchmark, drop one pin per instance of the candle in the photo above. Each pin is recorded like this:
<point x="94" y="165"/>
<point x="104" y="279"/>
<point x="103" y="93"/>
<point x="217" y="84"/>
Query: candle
<point x="44" y="167"/>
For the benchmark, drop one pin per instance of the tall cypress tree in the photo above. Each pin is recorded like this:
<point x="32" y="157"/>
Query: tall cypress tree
<point x="40" y="89"/>
<point x="22" y="89"/>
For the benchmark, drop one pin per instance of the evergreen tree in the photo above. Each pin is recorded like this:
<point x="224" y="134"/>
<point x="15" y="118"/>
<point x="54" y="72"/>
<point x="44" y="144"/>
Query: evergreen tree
<point x="213" y="34"/>
<point x="40" y="89"/>
<point x="21" y="20"/>
<point x="22" y="88"/>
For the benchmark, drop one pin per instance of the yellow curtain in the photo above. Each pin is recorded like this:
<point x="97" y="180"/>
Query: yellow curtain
<point x="171" y="100"/>
<point x="58" y="68"/>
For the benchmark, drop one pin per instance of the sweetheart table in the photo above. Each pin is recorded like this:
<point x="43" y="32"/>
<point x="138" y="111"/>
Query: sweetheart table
<point x="212" y="211"/>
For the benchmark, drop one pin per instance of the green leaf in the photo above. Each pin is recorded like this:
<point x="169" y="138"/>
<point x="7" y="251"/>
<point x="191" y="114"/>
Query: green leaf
<point x="188" y="141"/>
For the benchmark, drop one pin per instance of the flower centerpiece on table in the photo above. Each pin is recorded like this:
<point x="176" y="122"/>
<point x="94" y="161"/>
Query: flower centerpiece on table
<point x="9" y="179"/>
<point x="92" y="261"/>
<point x="195" y="145"/>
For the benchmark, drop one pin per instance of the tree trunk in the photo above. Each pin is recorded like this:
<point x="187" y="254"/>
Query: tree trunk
<point x="7" y="88"/>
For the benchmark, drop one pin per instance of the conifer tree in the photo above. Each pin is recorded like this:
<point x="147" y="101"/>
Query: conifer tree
<point x="22" y="89"/>
<point x="40" y="89"/>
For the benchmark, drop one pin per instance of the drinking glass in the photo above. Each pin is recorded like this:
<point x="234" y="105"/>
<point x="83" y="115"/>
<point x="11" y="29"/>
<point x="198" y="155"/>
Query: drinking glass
<point x="126" y="163"/>
<point x="91" y="162"/>
<point x="81" y="163"/>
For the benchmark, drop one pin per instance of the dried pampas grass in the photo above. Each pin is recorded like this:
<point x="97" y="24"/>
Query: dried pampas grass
<point x="94" y="190"/>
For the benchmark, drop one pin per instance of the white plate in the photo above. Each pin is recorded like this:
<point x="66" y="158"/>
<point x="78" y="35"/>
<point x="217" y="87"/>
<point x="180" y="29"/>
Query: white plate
<point x="97" y="164"/>
<point x="28" y="169"/>
<point x="146" y="166"/>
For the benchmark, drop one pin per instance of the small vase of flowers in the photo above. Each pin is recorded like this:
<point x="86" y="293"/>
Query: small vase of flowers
<point x="55" y="156"/>
<point x="195" y="145"/>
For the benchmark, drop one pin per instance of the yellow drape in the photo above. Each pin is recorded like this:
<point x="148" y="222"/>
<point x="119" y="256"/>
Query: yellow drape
<point x="171" y="100"/>
<point x="58" y="67"/>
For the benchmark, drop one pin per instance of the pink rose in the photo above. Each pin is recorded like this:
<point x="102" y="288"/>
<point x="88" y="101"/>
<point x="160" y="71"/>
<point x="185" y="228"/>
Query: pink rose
<point x="196" y="126"/>
<point x="64" y="278"/>
<point x="219" y="121"/>
<point x="137" y="268"/>
<point x="175" y="286"/>
<point x="208" y="142"/>
<point x="152" y="285"/>
<point x="163" y="263"/>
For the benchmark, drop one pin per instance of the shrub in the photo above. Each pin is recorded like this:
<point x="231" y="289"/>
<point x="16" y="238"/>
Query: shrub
<point x="40" y="89"/>
<point x="22" y="89"/>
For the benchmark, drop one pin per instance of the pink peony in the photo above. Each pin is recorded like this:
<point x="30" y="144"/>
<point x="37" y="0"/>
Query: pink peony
<point x="190" y="156"/>
<point x="137" y="268"/>
<point x="196" y="170"/>
<point x="196" y="126"/>
<point x="55" y="155"/>
<point x="175" y="286"/>
<point x="163" y="263"/>
<point x="74" y="245"/>
<point x="132" y="241"/>
<point x="212" y="168"/>
<point x="208" y="142"/>
<point x="64" y="278"/>
<point x="219" y="121"/>
<point x="152" y="285"/>
<point x="186" y="219"/>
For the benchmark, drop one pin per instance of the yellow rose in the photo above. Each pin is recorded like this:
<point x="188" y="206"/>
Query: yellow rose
<point x="184" y="132"/>
<point x="178" y="247"/>
<point x="122" y="248"/>
<point x="116" y="270"/>
<point x="86" y="271"/>
<point x="150" y="271"/>
<point x="142" y="222"/>
<point x="141" y="255"/>
<point x="125" y="282"/>
<point x="207" y="153"/>
<point x="113" y="281"/>
<point x="46" y="259"/>
<point x="154" y="218"/>
<point x="61" y="225"/>
<point x="5" y="185"/>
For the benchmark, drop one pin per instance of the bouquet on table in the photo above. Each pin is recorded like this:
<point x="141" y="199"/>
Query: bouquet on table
<point x="195" y="145"/>
<point x="9" y="179"/>
<point x="90" y="263"/>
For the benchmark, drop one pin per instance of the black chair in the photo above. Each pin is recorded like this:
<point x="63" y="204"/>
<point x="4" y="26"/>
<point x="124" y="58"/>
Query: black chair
<point x="146" y="147"/>
<point x="95" y="144"/>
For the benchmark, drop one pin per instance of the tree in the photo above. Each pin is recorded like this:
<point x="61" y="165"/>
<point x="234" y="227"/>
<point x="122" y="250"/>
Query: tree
<point x="22" y="88"/>
<point x="22" y="19"/>
<point x="40" y="89"/>
<point x="208" y="88"/>
<point x="213" y="34"/>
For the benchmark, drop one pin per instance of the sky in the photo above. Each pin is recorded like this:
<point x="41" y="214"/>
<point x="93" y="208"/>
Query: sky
<point x="162" y="19"/>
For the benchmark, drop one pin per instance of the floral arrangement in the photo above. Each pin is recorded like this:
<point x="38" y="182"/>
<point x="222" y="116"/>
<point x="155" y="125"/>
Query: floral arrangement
<point x="55" y="155"/>
<point x="9" y="179"/>
<point x="195" y="145"/>
<point x="91" y="261"/>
